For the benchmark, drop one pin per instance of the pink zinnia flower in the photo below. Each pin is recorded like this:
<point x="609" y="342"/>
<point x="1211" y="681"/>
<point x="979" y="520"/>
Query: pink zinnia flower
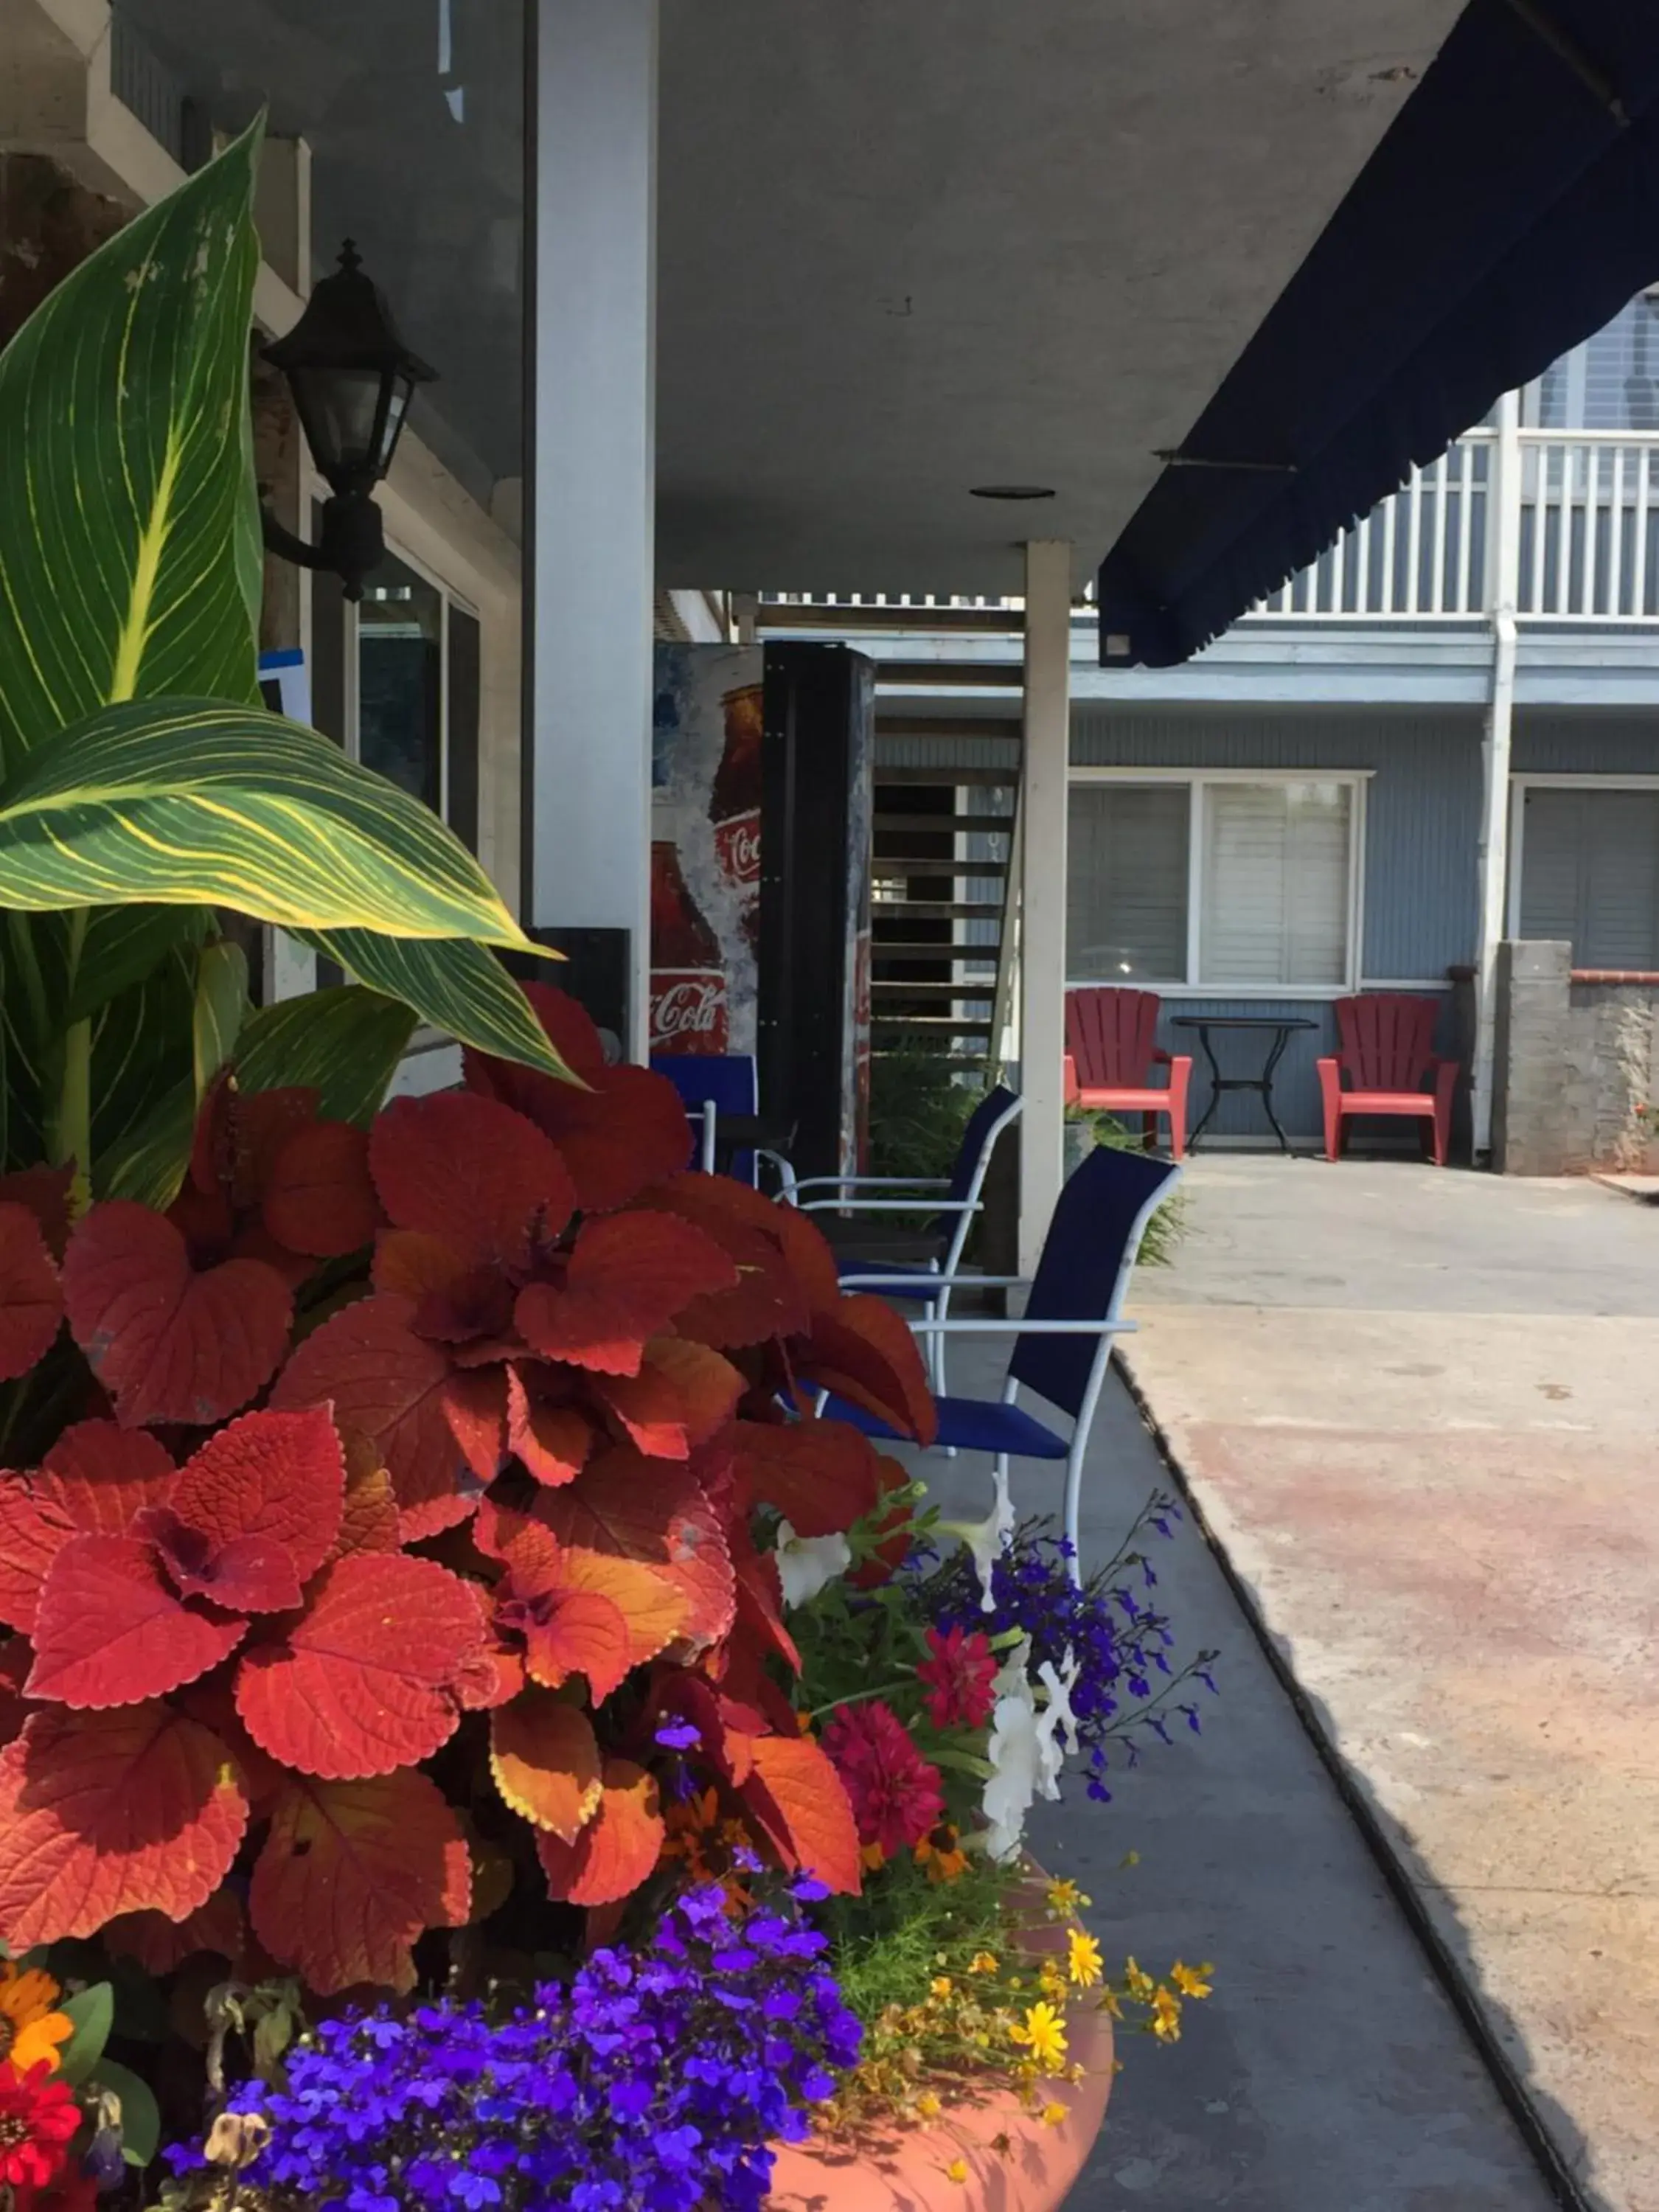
<point x="959" y="1672"/>
<point x="895" y="1793"/>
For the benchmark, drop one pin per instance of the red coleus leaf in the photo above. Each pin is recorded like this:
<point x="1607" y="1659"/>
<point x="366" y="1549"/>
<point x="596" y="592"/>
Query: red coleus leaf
<point x="353" y="1874"/>
<point x="811" y="1259"/>
<point x="681" y="1395"/>
<point x="45" y="1193"/>
<point x="256" y="1512"/>
<point x="863" y="1351"/>
<point x="160" y="1945"/>
<point x="766" y="1301"/>
<point x="110" y="1630"/>
<point x="95" y="1479"/>
<point x="618" y="1848"/>
<point x="568" y="1604"/>
<point x="475" y="1406"/>
<point x="760" y="1595"/>
<point x="13" y="1667"/>
<point x="628" y="1275"/>
<point x="318" y="1197"/>
<point x="890" y="1552"/>
<point x="473" y="1174"/>
<point x="551" y="1441"/>
<point x="102" y="1813"/>
<point x="820" y="1475"/>
<point x="625" y="1130"/>
<point x="388" y="1385"/>
<point x="546" y="1762"/>
<point x="369" y="1521"/>
<point x="625" y="1506"/>
<point x="239" y="1134"/>
<point x="166" y="1343"/>
<point x="797" y="1798"/>
<point x="365" y="1681"/>
<point x="30" y="1298"/>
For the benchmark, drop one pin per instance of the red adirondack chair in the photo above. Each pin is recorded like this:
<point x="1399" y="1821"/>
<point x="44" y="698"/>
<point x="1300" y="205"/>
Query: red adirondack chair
<point x="1111" y="1049"/>
<point x="1387" y="1049"/>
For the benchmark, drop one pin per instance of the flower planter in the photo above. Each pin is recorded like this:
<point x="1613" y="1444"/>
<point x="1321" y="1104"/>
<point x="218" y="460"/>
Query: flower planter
<point x="909" y="2169"/>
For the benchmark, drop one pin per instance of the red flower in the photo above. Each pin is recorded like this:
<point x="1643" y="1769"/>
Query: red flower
<point x="38" y="2116"/>
<point x="958" y="1674"/>
<point x="895" y="1793"/>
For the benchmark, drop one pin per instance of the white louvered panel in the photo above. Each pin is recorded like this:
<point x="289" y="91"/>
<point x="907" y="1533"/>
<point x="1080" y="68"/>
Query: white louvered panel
<point x="1126" y="902"/>
<point x="1590" y="873"/>
<point x="1275" y="893"/>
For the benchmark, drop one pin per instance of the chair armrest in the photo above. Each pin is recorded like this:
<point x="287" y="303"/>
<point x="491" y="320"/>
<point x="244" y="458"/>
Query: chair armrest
<point x="875" y="1277"/>
<point x="873" y="1183"/>
<point x="892" y="1205"/>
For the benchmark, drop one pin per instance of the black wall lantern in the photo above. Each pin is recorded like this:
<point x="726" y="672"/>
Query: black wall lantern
<point x="352" y="377"/>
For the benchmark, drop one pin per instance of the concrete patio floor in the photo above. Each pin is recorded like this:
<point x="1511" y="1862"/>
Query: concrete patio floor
<point x="1328" y="2072"/>
<point x="1417" y="1411"/>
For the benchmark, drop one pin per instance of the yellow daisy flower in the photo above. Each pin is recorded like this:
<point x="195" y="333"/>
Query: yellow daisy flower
<point x="1166" y="2015"/>
<point x="1084" y="1964"/>
<point x="1065" y="1897"/>
<point x="1052" y="2114"/>
<point x="31" y="2026"/>
<point x="957" y="2170"/>
<point x="941" y="1985"/>
<point x="1192" y="1981"/>
<point x="1043" y="2033"/>
<point x="1136" y="1981"/>
<point x="928" y="2107"/>
<point x="982" y="1962"/>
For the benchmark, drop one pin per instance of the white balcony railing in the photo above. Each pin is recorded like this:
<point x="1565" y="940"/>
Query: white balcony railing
<point x="1589" y="539"/>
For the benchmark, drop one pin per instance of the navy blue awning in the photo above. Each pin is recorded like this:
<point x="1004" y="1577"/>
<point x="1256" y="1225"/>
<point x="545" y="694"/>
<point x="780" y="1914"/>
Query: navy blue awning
<point x="1511" y="209"/>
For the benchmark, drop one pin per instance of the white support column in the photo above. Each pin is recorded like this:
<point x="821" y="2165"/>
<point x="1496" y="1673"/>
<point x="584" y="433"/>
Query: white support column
<point x="1505" y="560"/>
<point x="591" y="520"/>
<point x="1042" y="911"/>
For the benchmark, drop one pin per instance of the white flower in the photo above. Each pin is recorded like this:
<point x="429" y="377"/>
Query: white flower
<point x="1015" y="1752"/>
<point x="1057" y="1715"/>
<point x="805" y="1564"/>
<point x="987" y="1539"/>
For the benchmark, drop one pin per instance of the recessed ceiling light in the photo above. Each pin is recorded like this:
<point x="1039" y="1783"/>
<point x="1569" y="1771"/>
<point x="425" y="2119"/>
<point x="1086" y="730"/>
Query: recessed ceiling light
<point x="1011" y="491"/>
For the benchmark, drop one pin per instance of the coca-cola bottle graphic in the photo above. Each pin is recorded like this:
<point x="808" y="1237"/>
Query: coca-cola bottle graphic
<point x="734" y="800"/>
<point x="689" y="1012"/>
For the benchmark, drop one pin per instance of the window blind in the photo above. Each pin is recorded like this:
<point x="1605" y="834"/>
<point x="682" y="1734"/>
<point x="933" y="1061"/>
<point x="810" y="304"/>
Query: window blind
<point x="1274" y="908"/>
<point x="1126" y="903"/>
<point x="1590" y="873"/>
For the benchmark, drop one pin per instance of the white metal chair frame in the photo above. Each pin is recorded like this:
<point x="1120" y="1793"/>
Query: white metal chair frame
<point x="1107" y="1328"/>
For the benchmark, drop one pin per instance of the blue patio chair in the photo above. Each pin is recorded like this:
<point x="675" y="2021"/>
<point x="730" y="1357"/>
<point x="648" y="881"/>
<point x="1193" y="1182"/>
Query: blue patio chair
<point x="711" y="1083"/>
<point x="1063" y="1341"/>
<point x="952" y="1200"/>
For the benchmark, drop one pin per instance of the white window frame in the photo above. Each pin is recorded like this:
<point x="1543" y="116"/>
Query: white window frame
<point x="1357" y="782"/>
<point x="1519" y="787"/>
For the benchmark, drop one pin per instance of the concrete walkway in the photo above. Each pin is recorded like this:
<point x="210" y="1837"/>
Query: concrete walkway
<point x="1419" y="1411"/>
<point x="1328" y="2072"/>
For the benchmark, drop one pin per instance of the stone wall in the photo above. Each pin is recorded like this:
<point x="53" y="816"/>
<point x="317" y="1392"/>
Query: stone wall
<point x="1576" y="1065"/>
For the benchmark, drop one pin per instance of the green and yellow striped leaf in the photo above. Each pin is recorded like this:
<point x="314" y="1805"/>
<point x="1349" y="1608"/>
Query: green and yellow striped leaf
<point x="129" y="556"/>
<point x="457" y="988"/>
<point x="193" y="802"/>
<point x="344" y="1044"/>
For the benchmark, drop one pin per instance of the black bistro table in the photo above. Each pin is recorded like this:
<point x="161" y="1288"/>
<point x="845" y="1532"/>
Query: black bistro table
<point x="1279" y="1026"/>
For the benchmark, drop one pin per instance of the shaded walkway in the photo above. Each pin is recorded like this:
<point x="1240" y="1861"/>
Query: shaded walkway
<point x="1419" y="1413"/>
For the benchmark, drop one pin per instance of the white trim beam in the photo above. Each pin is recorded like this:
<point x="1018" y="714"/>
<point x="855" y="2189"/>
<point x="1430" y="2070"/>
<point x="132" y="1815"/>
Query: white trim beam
<point x="1043" y="799"/>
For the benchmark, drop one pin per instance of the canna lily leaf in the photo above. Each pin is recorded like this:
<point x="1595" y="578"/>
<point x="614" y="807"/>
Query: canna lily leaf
<point x="344" y="1044"/>
<point x="190" y="801"/>
<point x="460" y="989"/>
<point x="129" y="560"/>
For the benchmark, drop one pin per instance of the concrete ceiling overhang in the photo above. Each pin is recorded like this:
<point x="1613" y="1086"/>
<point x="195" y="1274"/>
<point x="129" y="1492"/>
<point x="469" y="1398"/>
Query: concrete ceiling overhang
<point x="904" y="250"/>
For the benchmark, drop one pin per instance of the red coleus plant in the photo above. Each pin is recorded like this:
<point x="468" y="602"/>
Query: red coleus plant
<point x="369" y="1586"/>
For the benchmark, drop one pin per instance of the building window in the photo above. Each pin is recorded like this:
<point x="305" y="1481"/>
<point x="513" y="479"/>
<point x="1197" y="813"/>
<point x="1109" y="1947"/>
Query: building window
<point x="1588" y="864"/>
<point x="1213" y="883"/>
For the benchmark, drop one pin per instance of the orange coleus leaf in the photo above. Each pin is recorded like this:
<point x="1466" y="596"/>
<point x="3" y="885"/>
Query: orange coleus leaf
<point x="31" y="1297"/>
<point x="388" y="1384"/>
<point x="368" y="1517"/>
<point x="110" y="1629"/>
<point x="255" y="1512"/>
<point x="472" y="1173"/>
<point x="625" y="1129"/>
<point x="160" y="1945"/>
<point x="546" y="1762"/>
<point x="798" y="1800"/>
<point x="102" y="1813"/>
<point x="863" y="1350"/>
<point x="167" y="1343"/>
<point x="317" y="1198"/>
<point x="96" y="1477"/>
<point x="365" y="1681"/>
<point x="628" y="1275"/>
<point x="568" y="1604"/>
<point x="616" y="1850"/>
<point x="551" y="1441"/>
<point x="353" y="1874"/>
<point x="624" y="1506"/>
<point x="820" y="1475"/>
<point x="681" y="1395"/>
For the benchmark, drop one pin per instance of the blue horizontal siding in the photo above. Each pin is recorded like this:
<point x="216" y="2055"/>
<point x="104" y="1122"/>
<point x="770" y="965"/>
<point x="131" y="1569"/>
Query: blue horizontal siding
<point x="1586" y="745"/>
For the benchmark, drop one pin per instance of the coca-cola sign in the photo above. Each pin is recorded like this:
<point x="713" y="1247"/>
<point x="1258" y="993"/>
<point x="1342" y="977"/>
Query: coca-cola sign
<point x="688" y="1013"/>
<point x="737" y="844"/>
